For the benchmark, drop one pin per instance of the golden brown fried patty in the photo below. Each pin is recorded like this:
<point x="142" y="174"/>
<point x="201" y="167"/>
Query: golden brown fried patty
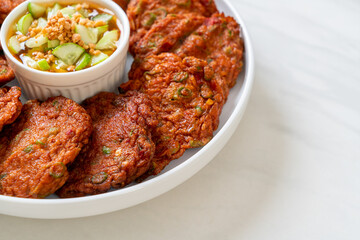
<point x="186" y="98"/>
<point x="143" y="14"/>
<point x="216" y="40"/>
<point x="166" y="33"/>
<point x="6" y="6"/>
<point x="36" y="149"/>
<point x="6" y="73"/>
<point x="120" y="148"/>
<point x="122" y="3"/>
<point x="10" y="105"/>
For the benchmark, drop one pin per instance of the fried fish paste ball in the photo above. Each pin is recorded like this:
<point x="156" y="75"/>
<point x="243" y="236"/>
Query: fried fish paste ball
<point x="6" y="73"/>
<point x="10" y="105"/>
<point x="122" y="3"/>
<point x="218" y="41"/>
<point x="6" y="6"/>
<point x="143" y="14"/>
<point x="166" y="34"/>
<point x="36" y="149"/>
<point x="188" y="103"/>
<point x="120" y="148"/>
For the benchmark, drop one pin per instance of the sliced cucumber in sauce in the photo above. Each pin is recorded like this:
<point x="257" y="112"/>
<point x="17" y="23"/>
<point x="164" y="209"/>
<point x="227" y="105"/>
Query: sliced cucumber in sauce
<point x="36" y="41"/>
<point x="14" y="45"/>
<point x="108" y="41"/>
<point x="36" y="10"/>
<point x="68" y="52"/>
<point x="103" y="17"/>
<point x="96" y="59"/>
<point x="102" y="29"/>
<point x="53" y="43"/>
<point x="88" y="35"/>
<point x="24" y="23"/>
<point x="53" y="11"/>
<point x="43" y="65"/>
<point x="83" y="62"/>
<point x="68" y="11"/>
<point x="42" y="22"/>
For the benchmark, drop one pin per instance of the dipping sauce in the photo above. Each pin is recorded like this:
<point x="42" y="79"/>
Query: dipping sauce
<point x="59" y="38"/>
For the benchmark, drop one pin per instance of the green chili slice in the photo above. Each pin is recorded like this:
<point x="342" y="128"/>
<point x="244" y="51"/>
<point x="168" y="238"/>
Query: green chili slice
<point x="99" y="178"/>
<point x="151" y="20"/>
<point x="196" y="143"/>
<point x="181" y="76"/>
<point x="57" y="170"/>
<point x="106" y="150"/>
<point x="184" y="92"/>
<point x="28" y="148"/>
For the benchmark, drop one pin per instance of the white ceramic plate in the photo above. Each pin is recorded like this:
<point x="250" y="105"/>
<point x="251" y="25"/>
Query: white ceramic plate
<point x="174" y="174"/>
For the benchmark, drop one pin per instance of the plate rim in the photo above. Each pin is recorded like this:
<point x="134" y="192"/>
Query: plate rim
<point x="40" y="208"/>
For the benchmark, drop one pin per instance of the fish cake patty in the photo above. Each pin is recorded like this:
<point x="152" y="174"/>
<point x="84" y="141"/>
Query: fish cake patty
<point x="36" y="149"/>
<point x="120" y="148"/>
<point x="6" y="72"/>
<point x="6" y="6"/>
<point x="187" y="103"/>
<point x="143" y="14"/>
<point x="10" y="105"/>
<point x="215" y="39"/>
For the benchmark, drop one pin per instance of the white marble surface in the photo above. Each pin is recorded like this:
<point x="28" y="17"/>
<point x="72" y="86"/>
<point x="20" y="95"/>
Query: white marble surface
<point x="292" y="168"/>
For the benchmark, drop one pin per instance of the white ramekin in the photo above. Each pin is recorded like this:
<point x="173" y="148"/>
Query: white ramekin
<point x="106" y="76"/>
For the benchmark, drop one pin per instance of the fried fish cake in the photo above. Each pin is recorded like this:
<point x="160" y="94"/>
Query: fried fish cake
<point x="122" y="3"/>
<point x="6" y="72"/>
<point x="36" y="149"/>
<point x="6" y="6"/>
<point x="143" y="14"/>
<point x="10" y="105"/>
<point x="188" y="103"/>
<point x="166" y="33"/>
<point x="216" y="40"/>
<point x="120" y="148"/>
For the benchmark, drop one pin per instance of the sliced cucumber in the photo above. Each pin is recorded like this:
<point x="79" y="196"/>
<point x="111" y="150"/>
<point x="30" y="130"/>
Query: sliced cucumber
<point x="103" y="17"/>
<point x="108" y="40"/>
<point x="84" y="12"/>
<point x="88" y="35"/>
<point x="14" y="45"/>
<point x="42" y="22"/>
<point x="53" y="43"/>
<point x="102" y="29"/>
<point x="68" y="11"/>
<point x="43" y="64"/>
<point x="60" y="64"/>
<point x="53" y="11"/>
<point x="98" y="59"/>
<point x="36" y="10"/>
<point x="68" y="52"/>
<point x="28" y="61"/>
<point x="83" y="61"/>
<point x="24" y="23"/>
<point x="36" y="41"/>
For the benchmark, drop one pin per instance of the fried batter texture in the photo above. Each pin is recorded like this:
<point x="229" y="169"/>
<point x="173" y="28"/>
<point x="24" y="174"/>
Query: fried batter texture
<point x="143" y="14"/>
<point x="36" y="149"/>
<point x="6" y="73"/>
<point x="10" y="105"/>
<point x="215" y="39"/>
<point x="120" y="148"/>
<point x="6" y="6"/>
<point x="186" y="98"/>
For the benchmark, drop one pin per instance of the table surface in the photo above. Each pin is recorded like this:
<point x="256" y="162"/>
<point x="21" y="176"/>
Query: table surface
<point x="291" y="169"/>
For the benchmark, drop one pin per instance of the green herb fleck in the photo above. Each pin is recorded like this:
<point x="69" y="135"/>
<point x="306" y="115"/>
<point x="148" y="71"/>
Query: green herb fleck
<point x="106" y="150"/>
<point x="28" y="148"/>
